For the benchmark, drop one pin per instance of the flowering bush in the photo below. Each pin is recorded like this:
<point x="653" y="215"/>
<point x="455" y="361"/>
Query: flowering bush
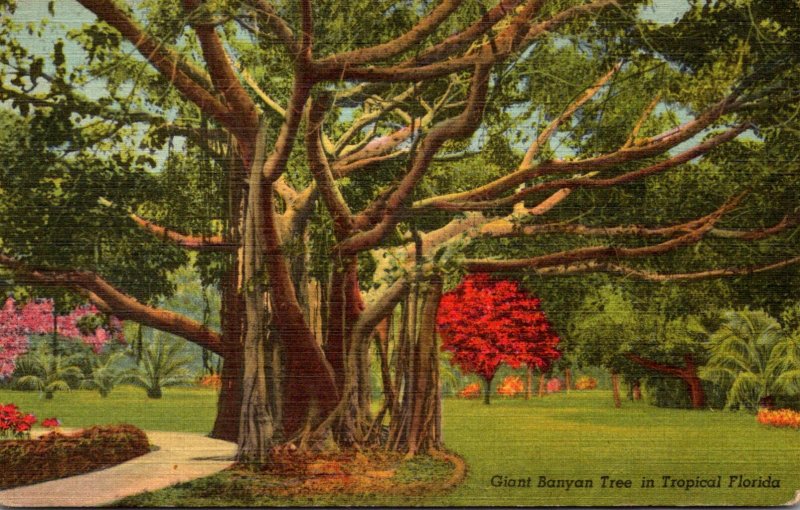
<point x="17" y="323"/>
<point x="510" y="386"/>
<point x="13" y="423"/>
<point x="211" y="381"/>
<point x="554" y="385"/>
<point x="51" y="423"/>
<point x="470" y="391"/>
<point x="586" y="383"/>
<point x="779" y="418"/>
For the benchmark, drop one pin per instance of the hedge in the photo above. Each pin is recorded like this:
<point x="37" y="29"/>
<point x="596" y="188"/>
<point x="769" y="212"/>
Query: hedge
<point x="55" y="455"/>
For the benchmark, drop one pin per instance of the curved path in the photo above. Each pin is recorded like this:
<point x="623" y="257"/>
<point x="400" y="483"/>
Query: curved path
<point x="181" y="457"/>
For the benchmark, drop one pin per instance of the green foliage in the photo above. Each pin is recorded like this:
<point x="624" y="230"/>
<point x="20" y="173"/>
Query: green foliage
<point x="42" y="371"/>
<point x="104" y="373"/>
<point x="754" y="356"/>
<point x="163" y="364"/>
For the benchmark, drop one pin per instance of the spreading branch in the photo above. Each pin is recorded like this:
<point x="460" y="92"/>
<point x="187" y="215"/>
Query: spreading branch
<point x="318" y="164"/>
<point x="116" y="302"/>
<point x="470" y="200"/>
<point x="513" y="38"/>
<point x="593" y="253"/>
<point x="398" y="45"/>
<point x="458" y="127"/>
<point x="193" y="83"/>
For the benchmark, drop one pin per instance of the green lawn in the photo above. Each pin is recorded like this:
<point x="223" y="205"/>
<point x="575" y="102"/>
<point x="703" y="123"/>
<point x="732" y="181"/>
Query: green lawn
<point x="188" y="409"/>
<point x="579" y="436"/>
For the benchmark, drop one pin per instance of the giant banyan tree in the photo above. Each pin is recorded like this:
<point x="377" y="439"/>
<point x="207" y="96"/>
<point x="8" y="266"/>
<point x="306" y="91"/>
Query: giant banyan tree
<point x="350" y="158"/>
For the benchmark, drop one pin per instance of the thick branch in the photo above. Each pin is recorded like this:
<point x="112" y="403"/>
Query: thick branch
<point x="277" y="25"/>
<point x="398" y="45"/>
<point x="198" y="243"/>
<point x="461" y="40"/>
<point x="455" y="201"/>
<point x="318" y="164"/>
<point x="276" y="163"/>
<point x="368" y="118"/>
<point x="118" y="303"/>
<point x="457" y="127"/>
<point x="654" y="276"/>
<point x="505" y="228"/>
<point x="654" y="365"/>
<point x="378" y="311"/>
<point x="496" y="50"/>
<point x="191" y="82"/>
<point x="245" y="124"/>
<point x="594" y="253"/>
<point x="551" y="129"/>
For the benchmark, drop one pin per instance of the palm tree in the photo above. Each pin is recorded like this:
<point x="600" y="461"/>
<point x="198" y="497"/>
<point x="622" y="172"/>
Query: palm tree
<point x="47" y="373"/>
<point x="755" y="356"/>
<point x="104" y="374"/>
<point x="162" y="364"/>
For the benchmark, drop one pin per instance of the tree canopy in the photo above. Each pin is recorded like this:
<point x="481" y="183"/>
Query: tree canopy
<point x="328" y="161"/>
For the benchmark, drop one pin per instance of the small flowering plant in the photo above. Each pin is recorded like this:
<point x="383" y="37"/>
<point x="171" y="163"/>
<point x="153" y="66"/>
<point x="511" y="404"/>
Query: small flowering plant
<point x="470" y="391"/>
<point x="15" y="424"/>
<point x="510" y="386"/>
<point x="779" y="418"/>
<point x="51" y="423"/>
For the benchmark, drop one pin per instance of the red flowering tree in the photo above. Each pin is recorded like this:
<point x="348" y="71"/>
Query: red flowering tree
<point x="486" y="322"/>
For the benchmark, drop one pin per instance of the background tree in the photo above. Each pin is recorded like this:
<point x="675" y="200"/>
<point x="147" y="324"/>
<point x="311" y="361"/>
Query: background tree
<point x="755" y="358"/>
<point x="486" y="322"/>
<point x="292" y="122"/>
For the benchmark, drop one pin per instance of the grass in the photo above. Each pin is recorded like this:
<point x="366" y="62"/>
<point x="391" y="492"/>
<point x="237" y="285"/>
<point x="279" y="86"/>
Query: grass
<point x="580" y="436"/>
<point x="180" y="409"/>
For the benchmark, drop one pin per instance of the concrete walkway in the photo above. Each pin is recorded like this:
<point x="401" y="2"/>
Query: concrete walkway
<point x="181" y="457"/>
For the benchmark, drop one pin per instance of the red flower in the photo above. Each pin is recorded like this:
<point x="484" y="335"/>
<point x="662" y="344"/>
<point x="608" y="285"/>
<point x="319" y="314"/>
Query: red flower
<point x="51" y="422"/>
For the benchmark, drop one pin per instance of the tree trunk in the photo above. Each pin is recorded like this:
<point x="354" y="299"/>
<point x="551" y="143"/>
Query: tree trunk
<point x="528" y="382"/>
<point x="416" y="428"/>
<point x="687" y="373"/>
<point x="256" y="426"/>
<point x="615" y="388"/>
<point x="568" y="379"/>
<point x="342" y="315"/>
<point x="542" y="384"/>
<point x="229" y="403"/>
<point x="487" y="391"/>
<point x="691" y="378"/>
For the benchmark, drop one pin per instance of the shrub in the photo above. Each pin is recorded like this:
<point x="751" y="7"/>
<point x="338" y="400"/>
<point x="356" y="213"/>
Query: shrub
<point x="56" y="455"/>
<point x="470" y="391"/>
<point x="779" y="418"/>
<point x="211" y="381"/>
<point x="586" y="383"/>
<point x="554" y="385"/>
<point x="510" y="386"/>
<point x="13" y="423"/>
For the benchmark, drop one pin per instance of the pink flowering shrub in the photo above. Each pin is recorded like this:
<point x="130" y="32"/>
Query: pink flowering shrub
<point x="554" y="385"/>
<point x="17" y="323"/>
